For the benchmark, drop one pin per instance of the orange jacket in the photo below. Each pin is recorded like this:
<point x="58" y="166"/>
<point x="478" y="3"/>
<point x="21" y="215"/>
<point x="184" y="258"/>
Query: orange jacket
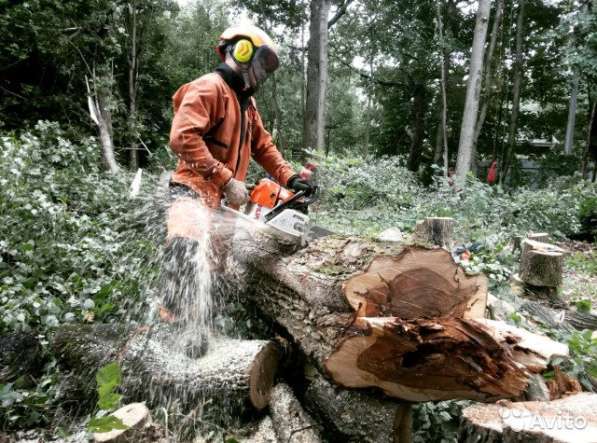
<point x="205" y="136"/>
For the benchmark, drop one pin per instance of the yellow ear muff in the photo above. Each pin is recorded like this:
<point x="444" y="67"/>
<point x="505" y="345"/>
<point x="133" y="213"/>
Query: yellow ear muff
<point x="243" y="51"/>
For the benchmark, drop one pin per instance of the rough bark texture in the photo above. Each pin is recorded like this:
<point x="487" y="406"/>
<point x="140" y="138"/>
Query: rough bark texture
<point x="436" y="231"/>
<point x="291" y="422"/>
<point x="489" y="71"/>
<point x="572" y="420"/>
<point x="233" y="373"/>
<point x="317" y="75"/>
<point x="473" y="92"/>
<point x="541" y="264"/>
<point x="320" y="294"/>
<point x="517" y="82"/>
<point x="571" y="123"/>
<point x="350" y="415"/>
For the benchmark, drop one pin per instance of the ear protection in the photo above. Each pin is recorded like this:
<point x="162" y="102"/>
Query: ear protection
<point x="242" y="51"/>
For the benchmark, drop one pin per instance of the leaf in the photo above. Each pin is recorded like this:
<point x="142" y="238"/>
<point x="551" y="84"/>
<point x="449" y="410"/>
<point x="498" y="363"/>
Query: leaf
<point x="105" y="424"/>
<point x="109" y="401"/>
<point x="109" y="374"/>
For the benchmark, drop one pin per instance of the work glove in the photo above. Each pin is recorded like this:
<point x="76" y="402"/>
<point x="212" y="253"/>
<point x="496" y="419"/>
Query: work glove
<point x="235" y="192"/>
<point x="296" y="183"/>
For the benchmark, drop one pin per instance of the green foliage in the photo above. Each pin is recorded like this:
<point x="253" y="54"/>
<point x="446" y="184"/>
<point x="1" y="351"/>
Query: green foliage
<point x="582" y="363"/>
<point x="437" y="422"/>
<point x="108" y="379"/>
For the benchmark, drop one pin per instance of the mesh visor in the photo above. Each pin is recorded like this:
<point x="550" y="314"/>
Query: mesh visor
<point x="265" y="59"/>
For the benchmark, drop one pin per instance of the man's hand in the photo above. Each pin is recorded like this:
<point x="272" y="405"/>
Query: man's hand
<point x="235" y="192"/>
<point x="296" y="183"/>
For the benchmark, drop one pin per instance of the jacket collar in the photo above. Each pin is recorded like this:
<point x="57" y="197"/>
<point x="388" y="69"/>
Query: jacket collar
<point x="236" y="83"/>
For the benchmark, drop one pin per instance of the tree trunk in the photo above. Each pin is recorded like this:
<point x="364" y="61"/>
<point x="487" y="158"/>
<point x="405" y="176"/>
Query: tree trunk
<point x="133" y="72"/>
<point x="366" y="329"/>
<point x="442" y="141"/>
<point x="508" y="157"/>
<point x="317" y="76"/>
<point x="568" y="420"/>
<point x="99" y="97"/>
<point x="497" y="21"/>
<point x="436" y="231"/>
<point x="473" y="93"/>
<point x="569" y="141"/>
<point x="591" y="147"/>
<point x="418" y="113"/>
<point x="291" y="422"/>
<point x="234" y="373"/>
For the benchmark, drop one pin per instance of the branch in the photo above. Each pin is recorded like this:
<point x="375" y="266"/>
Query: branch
<point x="339" y="13"/>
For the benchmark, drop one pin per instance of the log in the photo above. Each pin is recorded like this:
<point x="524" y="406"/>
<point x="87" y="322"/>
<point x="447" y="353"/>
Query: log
<point x="418" y="341"/>
<point x="290" y="421"/>
<point x="571" y="419"/>
<point x="541" y="264"/>
<point x="436" y="231"/>
<point x="234" y="375"/>
<point x="350" y="415"/>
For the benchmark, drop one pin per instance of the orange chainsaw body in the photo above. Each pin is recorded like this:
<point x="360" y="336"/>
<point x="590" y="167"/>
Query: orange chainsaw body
<point x="268" y="194"/>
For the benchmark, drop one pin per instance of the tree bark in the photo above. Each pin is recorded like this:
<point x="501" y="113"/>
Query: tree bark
<point x="418" y="118"/>
<point x="517" y="81"/>
<point x="317" y="76"/>
<point x="234" y="373"/>
<point x="291" y="422"/>
<point x="367" y="329"/>
<point x="497" y="21"/>
<point x="436" y="231"/>
<point x="569" y="420"/>
<point x="570" y="125"/>
<point x="133" y="76"/>
<point x="99" y="98"/>
<point x="473" y="93"/>
<point x="444" y="82"/>
<point x="541" y="264"/>
<point x="591" y="147"/>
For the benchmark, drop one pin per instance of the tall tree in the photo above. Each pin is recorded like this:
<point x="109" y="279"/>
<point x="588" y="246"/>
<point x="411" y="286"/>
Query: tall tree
<point x="489" y="74"/>
<point x="473" y="92"/>
<point x="516" y="85"/>
<point x="571" y="122"/>
<point x="317" y="76"/>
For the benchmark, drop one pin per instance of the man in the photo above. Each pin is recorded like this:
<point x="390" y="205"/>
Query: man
<point x="215" y="131"/>
<point x="217" y="128"/>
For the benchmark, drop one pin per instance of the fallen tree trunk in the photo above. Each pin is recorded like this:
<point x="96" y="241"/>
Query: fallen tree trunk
<point x="571" y="419"/>
<point x="290" y="421"/>
<point x="234" y="375"/>
<point x="404" y="320"/>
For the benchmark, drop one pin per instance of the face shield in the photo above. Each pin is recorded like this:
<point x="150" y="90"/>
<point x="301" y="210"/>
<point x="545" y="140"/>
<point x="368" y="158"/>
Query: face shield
<point x="264" y="62"/>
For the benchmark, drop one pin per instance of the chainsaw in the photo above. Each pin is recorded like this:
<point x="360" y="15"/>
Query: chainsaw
<point x="278" y="208"/>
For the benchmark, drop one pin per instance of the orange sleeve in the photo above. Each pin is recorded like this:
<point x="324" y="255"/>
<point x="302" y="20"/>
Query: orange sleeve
<point x="267" y="155"/>
<point x="197" y="108"/>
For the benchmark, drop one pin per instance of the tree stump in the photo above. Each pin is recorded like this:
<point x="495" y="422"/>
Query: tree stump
<point x="541" y="264"/>
<point x="542" y="237"/>
<point x="571" y="419"/>
<point x="134" y="416"/>
<point x="436" y="231"/>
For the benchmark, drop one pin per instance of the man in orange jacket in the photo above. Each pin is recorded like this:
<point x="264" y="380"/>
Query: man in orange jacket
<point x="217" y="128"/>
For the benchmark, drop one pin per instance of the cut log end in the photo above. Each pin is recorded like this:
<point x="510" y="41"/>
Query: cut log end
<point x="422" y="360"/>
<point x="134" y="416"/>
<point x="569" y="420"/>
<point x="263" y="372"/>
<point x="541" y="264"/>
<point x="418" y="283"/>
